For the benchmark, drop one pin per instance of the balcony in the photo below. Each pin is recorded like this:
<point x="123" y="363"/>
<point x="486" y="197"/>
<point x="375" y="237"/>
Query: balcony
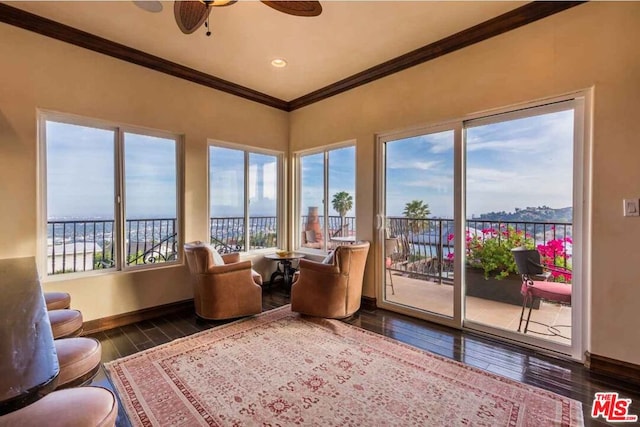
<point x="430" y="296"/>
<point x="420" y="264"/>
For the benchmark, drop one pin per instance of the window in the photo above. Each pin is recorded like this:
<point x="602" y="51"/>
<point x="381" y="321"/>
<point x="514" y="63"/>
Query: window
<point x="243" y="198"/>
<point x="90" y="223"/>
<point x="328" y="175"/>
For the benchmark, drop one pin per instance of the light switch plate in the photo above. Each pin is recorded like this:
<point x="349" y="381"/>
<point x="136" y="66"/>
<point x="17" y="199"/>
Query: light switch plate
<point x="631" y="207"/>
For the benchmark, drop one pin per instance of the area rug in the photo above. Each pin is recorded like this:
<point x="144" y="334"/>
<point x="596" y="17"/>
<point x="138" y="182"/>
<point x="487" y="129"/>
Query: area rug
<point x="282" y="369"/>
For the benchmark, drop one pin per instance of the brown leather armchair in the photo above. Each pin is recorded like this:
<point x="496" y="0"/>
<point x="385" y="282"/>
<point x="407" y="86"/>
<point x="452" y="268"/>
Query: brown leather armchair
<point x="222" y="291"/>
<point x="332" y="290"/>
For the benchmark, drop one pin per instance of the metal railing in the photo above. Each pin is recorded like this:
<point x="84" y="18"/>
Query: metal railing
<point x="425" y="246"/>
<point x="337" y="228"/>
<point x="84" y="245"/>
<point x="227" y="234"/>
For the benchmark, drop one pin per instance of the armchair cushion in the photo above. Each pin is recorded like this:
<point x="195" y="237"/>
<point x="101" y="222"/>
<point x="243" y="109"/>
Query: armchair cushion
<point x="217" y="258"/>
<point x="328" y="259"/>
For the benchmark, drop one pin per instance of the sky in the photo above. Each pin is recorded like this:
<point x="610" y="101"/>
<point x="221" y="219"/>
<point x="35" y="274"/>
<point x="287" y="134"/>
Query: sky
<point x="226" y="183"/>
<point x="510" y="164"/>
<point x="342" y="177"/>
<point x="80" y="173"/>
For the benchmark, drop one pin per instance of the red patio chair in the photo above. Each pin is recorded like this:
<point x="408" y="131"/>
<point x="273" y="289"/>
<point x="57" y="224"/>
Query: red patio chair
<point x="535" y="285"/>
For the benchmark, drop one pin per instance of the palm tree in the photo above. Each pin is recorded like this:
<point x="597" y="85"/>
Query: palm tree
<point x="416" y="210"/>
<point x="342" y="203"/>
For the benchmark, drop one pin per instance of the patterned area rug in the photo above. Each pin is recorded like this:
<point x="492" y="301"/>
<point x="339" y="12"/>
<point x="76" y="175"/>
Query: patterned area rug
<point x="282" y="369"/>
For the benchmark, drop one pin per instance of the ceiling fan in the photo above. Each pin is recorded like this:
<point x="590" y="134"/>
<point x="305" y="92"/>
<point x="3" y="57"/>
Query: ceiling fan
<point x="190" y="15"/>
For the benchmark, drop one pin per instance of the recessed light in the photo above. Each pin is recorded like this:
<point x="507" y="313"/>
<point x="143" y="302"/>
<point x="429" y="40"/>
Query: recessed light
<point x="279" y="63"/>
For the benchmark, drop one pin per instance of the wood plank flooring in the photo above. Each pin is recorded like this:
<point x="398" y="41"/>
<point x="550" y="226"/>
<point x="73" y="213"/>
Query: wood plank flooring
<point x="564" y="377"/>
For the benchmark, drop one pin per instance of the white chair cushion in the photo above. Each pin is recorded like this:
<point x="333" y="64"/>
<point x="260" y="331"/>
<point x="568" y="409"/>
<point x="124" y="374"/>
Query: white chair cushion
<point x="217" y="258"/>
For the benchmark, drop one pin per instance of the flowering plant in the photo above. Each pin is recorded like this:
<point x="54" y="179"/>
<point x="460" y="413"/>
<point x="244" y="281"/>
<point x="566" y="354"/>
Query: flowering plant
<point x="490" y="250"/>
<point x="556" y="255"/>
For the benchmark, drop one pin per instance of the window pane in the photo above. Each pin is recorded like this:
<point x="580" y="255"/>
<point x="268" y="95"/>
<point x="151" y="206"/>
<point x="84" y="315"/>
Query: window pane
<point x="312" y="200"/>
<point x="80" y="196"/>
<point x="150" y="199"/>
<point x="226" y="199"/>
<point x="519" y="194"/>
<point x="342" y="191"/>
<point x="420" y="223"/>
<point x="263" y="201"/>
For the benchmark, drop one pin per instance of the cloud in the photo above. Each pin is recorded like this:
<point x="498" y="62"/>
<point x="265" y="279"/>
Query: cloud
<point x="419" y="165"/>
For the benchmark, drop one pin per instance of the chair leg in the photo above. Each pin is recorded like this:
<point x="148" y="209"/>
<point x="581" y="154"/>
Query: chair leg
<point x="524" y="304"/>
<point x="393" y="292"/>
<point x="526" y="326"/>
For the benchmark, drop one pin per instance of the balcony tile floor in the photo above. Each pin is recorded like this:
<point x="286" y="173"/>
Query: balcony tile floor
<point x="438" y="298"/>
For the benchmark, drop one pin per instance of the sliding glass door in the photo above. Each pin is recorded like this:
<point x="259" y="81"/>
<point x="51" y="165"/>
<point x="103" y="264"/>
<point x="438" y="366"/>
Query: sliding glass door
<point x="455" y="200"/>
<point x="520" y="194"/>
<point x="418" y="200"/>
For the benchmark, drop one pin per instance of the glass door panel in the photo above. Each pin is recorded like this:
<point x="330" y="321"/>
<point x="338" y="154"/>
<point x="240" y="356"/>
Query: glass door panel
<point x="419" y="222"/>
<point x="519" y="193"/>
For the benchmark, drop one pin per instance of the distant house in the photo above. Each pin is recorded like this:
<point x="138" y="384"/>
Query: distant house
<point x="71" y="257"/>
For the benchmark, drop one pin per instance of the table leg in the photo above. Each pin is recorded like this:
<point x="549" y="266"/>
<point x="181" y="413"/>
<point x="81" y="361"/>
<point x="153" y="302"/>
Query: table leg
<point x="286" y="267"/>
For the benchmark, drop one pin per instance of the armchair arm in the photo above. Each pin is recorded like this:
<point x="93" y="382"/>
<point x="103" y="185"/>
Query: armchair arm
<point x="227" y="268"/>
<point x="319" y="267"/>
<point x="231" y="258"/>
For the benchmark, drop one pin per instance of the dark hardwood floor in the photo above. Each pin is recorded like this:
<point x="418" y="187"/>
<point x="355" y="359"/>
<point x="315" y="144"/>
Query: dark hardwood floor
<point x="561" y="376"/>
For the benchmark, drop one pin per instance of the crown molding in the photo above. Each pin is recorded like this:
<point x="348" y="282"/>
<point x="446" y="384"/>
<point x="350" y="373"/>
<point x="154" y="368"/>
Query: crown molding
<point x="516" y="18"/>
<point x="46" y="27"/>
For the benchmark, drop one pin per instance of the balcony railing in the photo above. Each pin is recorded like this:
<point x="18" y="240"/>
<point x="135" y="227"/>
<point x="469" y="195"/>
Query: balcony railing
<point x="227" y="234"/>
<point x="425" y="246"/>
<point x="84" y="245"/>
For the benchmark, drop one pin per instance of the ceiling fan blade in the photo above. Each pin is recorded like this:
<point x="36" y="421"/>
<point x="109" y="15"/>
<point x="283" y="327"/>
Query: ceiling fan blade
<point x="190" y="15"/>
<point x="297" y="8"/>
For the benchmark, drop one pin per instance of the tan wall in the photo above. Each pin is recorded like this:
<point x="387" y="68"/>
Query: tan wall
<point x="39" y="72"/>
<point x="595" y="44"/>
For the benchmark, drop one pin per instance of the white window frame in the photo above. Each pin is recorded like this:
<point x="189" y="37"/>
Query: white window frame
<point x="298" y="227"/>
<point x="119" y="130"/>
<point x="280" y="209"/>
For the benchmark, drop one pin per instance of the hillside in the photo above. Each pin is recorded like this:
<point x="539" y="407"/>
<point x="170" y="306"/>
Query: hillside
<point x="531" y="214"/>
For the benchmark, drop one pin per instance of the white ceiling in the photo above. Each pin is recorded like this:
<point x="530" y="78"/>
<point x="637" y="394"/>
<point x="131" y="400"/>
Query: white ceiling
<point x="348" y="37"/>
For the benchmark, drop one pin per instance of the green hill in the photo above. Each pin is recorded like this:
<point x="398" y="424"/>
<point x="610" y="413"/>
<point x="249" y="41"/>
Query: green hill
<point x="531" y="214"/>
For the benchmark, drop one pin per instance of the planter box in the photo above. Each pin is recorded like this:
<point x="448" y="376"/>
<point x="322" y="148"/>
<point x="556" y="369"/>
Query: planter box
<point x="505" y="290"/>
